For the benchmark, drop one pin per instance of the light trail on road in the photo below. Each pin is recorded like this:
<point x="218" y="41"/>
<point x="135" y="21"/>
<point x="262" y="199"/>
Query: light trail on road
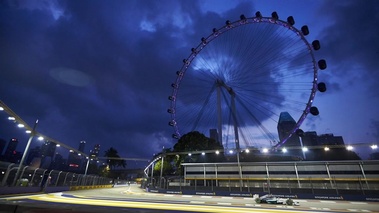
<point x="57" y="198"/>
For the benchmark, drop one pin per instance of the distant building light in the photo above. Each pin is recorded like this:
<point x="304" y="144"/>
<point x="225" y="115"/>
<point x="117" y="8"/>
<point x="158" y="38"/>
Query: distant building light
<point x="73" y="165"/>
<point x="349" y="147"/>
<point x="265" y="150"/>
<point x="305" y="149"/>
<point x="71" y="150"/>
<point x="247" y="150"/>
<point x="79" y="154"/>
<point x="1" y="108"/>
<point x="284" y="150"/>
<point x="28" y="131"/>
<point x="217" y="152"/>
<point x="58" y="145"/>
<point x="11" y="118"/>
<point x="189" y="154"/>
<point x="231" y="151"/>
<point x="374" y="146"/>
<point x="40" y="138"/>
<point x="21" y="125"/>
<point x="326" y="148"/>
<point x="203" y="153"/>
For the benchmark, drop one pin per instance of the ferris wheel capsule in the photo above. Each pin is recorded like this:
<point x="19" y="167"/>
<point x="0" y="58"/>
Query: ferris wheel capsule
<point x="274" y="15"/>
<point x="291" y="20"/>
<point x="305" y="30"/>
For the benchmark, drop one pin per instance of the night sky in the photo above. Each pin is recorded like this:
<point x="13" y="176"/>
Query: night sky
<point x="101" y="71"/>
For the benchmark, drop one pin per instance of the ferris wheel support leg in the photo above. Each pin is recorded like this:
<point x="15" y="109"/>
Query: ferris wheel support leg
<point x="219" y="124"/>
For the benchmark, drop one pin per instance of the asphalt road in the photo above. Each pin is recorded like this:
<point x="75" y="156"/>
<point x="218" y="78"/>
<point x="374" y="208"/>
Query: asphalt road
<point x="134" y="199"/>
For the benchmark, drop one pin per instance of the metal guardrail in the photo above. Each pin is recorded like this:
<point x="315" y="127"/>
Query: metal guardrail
<point x="44" y="178"/>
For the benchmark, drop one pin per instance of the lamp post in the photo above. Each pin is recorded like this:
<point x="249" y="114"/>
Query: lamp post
<point x="25" y="153"/>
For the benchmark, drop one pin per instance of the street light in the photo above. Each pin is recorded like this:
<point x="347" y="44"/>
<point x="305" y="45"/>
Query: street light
<point x="25" y="152"/>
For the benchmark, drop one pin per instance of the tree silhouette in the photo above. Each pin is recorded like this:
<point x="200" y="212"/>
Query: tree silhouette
<point x="113" y="158"/>
<point x="196" y="141"/>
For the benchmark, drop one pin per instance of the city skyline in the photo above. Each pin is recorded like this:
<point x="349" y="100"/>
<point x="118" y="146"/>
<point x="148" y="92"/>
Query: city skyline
<point x="105" y="78"/>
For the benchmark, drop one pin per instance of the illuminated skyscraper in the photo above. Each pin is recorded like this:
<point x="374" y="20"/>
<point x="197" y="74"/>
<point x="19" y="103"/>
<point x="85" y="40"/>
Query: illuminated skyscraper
<point x="82" y="145"/>
<point x="10" y="152"/>
<point x="95" y="152"/>
<point x="48" y="149"/>
<point x="285" y="125"/>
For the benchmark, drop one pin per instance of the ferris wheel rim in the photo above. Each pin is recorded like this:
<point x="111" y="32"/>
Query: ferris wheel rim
<point x="230" y="26"/>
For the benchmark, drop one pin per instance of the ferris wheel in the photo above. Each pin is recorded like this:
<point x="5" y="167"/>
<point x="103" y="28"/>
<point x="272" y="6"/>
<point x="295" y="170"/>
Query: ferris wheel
<point x="238" y="80"/>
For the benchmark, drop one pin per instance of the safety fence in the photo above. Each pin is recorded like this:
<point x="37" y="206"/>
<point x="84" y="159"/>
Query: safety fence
<point x="32" y="179"/>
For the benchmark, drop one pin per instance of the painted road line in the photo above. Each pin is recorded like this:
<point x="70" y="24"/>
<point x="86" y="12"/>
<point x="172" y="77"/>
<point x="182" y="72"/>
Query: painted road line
<point x="256" y="205"/>
<point x="224" y="203"/>
<point x="248" y="198"/>
<point x="197" y="202"/>
<point x="169" y="195"/>
<point x="227" y="197"/>
<point x="187" y="196"/>
<point x="327" y="201"/>
<point x="358" y="203"/>
<point x="208" y="197"/>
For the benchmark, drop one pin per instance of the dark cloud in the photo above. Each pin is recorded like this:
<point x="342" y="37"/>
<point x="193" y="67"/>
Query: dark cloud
<point x="350" y="41"/>
<point x="97" y="71"/>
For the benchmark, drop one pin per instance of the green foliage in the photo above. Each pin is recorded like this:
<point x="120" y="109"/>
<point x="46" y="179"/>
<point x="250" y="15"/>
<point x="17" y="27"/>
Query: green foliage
<point x="167" y="167"/>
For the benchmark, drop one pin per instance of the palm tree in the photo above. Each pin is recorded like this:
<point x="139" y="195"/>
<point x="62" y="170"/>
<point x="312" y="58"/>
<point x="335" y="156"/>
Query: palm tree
<point x="113" y="158"/>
